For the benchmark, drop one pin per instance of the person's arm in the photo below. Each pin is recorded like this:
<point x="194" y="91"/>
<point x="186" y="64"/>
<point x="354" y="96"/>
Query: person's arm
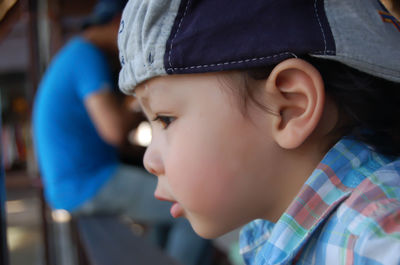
<point x="112" y="119"/>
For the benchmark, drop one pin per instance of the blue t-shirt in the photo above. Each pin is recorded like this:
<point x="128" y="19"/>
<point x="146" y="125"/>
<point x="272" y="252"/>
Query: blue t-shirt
<point x="74" y="161"/>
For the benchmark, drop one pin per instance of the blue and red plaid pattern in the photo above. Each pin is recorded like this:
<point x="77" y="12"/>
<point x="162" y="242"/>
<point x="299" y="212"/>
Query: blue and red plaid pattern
<point x="348" y="212"/>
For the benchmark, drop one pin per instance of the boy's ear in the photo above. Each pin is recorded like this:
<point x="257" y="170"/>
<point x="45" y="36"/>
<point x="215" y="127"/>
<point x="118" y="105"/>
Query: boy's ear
<point x="299" y="96"/>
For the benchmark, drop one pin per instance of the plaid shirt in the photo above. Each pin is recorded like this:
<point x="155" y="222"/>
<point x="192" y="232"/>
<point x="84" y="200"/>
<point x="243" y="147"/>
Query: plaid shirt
<point x="348" y="212"/>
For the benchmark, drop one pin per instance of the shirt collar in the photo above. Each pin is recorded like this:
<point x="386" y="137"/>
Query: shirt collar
<point x="333" y="180"/>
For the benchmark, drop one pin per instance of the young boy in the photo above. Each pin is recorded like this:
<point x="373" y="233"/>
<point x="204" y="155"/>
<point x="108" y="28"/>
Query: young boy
<point x="282" y="112"/>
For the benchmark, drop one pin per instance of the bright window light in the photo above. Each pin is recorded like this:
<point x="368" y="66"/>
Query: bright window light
<point x="61" y="216"/>
<point x="142" y="135"/>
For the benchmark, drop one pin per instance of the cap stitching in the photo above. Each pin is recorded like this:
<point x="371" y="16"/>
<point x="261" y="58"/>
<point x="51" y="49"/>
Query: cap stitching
<point x="326" y="52"/>
<point x="234" y="62"/>
<point x="240" y="61"/>
<point x="319" y="22"/>
<point x="243" y="61"/>
<point x="176" y="33"/>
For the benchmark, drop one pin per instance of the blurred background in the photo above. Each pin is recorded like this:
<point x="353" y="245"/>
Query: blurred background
<point x="31" y="32"/>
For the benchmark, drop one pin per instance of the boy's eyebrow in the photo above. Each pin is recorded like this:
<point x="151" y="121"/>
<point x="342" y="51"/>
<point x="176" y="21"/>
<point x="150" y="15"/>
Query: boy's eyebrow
<point x="142" y="96"/>
<point x="148" y="97"/>
<point x="145" y="104"/>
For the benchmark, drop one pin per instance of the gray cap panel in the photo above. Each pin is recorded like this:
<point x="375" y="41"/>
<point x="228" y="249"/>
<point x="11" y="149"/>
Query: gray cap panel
<point x="363" y="39"/>
<point x="142" y="39"/>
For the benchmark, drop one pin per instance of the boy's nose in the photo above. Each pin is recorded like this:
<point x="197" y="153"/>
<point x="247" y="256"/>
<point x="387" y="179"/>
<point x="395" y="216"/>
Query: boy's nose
<point x="152" y="161"/>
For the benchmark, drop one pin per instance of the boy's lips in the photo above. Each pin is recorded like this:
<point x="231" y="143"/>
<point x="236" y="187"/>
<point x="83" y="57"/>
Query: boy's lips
<point x="176" y="209"/>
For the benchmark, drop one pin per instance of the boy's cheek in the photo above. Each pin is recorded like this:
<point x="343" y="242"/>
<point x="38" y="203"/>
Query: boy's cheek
<point x="201" y="190"/>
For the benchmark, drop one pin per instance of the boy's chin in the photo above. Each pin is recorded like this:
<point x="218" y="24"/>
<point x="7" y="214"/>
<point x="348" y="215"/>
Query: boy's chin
<point x="210" y="232"/>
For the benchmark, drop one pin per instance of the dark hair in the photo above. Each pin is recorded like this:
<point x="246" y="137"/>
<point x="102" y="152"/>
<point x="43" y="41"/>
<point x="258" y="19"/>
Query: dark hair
<point x="370" y="106"/>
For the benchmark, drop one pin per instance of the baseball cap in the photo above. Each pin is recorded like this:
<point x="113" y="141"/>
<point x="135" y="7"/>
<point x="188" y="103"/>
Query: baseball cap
<point x="103" y="12"/>
<point x="163" y="37"/>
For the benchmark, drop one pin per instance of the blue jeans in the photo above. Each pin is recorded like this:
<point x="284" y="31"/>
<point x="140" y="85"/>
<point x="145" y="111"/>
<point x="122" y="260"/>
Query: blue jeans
<point x="130" y="192"/>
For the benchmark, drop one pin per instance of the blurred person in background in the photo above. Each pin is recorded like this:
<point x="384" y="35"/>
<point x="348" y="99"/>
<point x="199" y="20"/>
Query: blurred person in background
<point x="79" y="123"/>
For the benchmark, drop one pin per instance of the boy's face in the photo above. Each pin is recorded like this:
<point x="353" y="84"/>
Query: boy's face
<point x="218" y="166"/>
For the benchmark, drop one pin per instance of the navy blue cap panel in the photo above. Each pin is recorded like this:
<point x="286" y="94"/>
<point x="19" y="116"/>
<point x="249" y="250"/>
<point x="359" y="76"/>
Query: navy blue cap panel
<point x="203" y="29"/>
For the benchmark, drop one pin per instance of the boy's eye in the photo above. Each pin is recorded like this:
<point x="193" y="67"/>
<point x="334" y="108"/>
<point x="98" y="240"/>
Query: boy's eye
<point x="164" y="120"/>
